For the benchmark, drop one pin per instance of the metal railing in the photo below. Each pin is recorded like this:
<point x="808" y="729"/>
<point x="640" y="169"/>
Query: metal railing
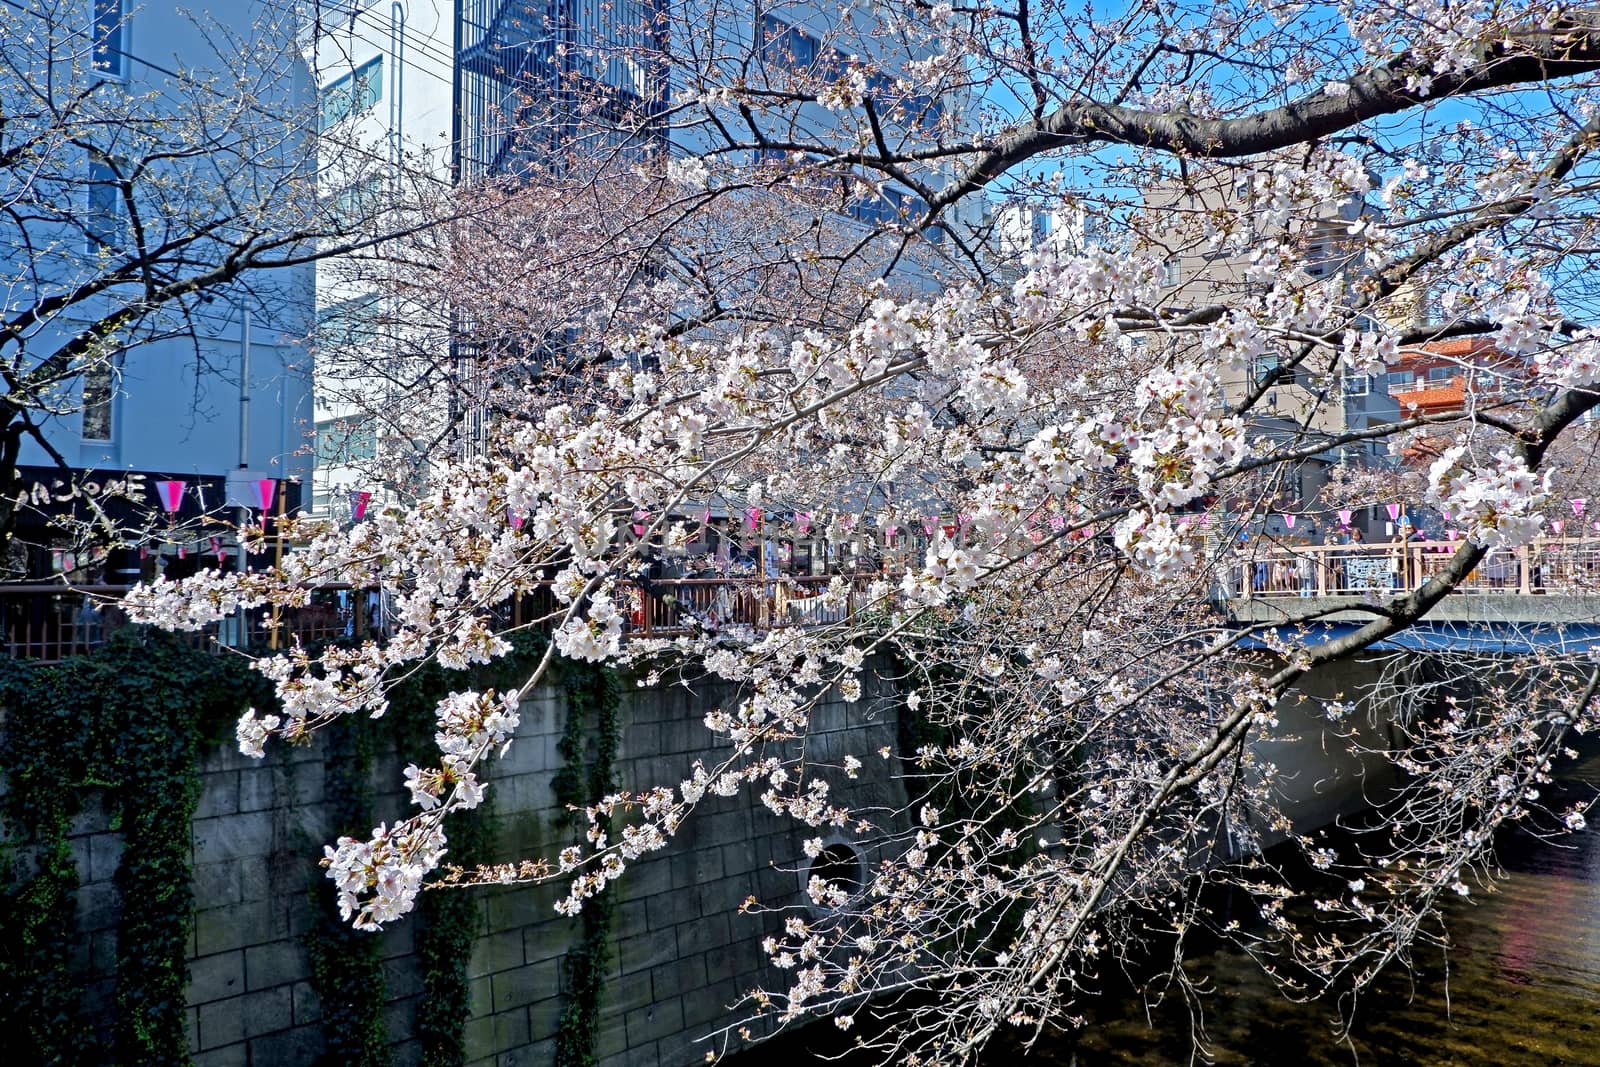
<point x="1553" y="566"/>
<point x="49" y="622"/>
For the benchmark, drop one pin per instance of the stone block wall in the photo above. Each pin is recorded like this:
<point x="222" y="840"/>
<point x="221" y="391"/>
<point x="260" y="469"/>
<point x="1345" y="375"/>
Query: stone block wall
<point x="682" y="954"/>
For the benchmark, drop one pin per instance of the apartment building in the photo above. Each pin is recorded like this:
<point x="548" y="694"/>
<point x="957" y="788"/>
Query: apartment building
<point x="197" y="380"/>
<point x="1208" y="264"/>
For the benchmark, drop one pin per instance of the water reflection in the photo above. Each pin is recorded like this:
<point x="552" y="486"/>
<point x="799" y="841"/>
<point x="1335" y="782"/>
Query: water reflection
<point x="1520" y="986"/>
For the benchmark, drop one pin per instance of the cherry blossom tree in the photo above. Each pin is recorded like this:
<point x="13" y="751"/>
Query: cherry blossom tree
<point x="812" y="313"/>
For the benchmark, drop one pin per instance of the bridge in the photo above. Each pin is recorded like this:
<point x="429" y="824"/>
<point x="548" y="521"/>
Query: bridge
<point x="1541" y="596"/>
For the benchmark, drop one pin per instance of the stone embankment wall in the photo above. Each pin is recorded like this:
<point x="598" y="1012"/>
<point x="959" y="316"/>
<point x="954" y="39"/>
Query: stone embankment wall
<point x="682" y="954"/>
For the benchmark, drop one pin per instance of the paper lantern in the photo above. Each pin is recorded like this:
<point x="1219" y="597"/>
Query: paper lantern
<point x="1578" y="504"/>
<point x="171" y="495"/>
<point x="1288" y="520"/>
<point x="752" y="517"/>
<point x="1394" y="512"/>
<point x="514" y="519"/>
<point x="1345" y="515"/>
<point x="266" y="490"/>
<point x="930" y="523"/>
<point x="805" y="522"/>
<point x="358" y="503"/>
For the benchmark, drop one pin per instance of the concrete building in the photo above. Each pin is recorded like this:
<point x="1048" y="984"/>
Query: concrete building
<point x="418" y="90"/>
<point x="386" y="77"/>
<point x="200" y="387"/>
<point x="1315" y="402"/>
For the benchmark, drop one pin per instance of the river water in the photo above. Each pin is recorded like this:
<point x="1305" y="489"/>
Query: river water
<point x="1520" y="987"/>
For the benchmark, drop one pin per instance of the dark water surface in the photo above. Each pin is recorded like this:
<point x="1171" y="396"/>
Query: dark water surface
<point x="1520" y="987"/>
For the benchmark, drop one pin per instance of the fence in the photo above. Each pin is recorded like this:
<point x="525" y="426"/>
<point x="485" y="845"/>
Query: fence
<point x="1557" y="566"/>
<point x="51" y="622"/>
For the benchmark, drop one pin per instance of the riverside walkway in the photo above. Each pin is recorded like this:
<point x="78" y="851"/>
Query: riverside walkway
<point x="1553" y="582"/>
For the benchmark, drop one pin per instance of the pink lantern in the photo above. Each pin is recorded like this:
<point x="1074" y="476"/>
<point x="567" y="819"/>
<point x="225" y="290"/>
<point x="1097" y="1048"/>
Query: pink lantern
<point x="216" y="546"/>
<point x="963" y="520"/>
<point x="171" y="495"/>
<point x="638" y="522"/>
<point x="889" y="531"/>
<point x="1578" y="504"/>
<point x="805" y="522"/>
<point x="1453" y="534"/>
<point x="1394" y="512"/>
<point x="1345" y="515"/>
<point x="359" y="498"/>
<point x="266" y="489"/>
<point x="1288" y="520"/>
<point x="930" y="523"/>
<point x="144" y="551"/>
<point x="1558" y="525"/>
<point x="752" y="517"/>
<point x="705" y="516"/>
<point x="514" y="519"/>
<point x="183" y="551"/>
<point x="1446" y="513"/>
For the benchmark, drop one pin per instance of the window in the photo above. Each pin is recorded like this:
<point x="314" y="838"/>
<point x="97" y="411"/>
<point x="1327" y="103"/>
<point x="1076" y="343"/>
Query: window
<point x="1264" y="365"/>
<point x="102" y="220"/>
<point x="357" y="201"/>
<point x="1400" y="380"/>
<point x="1441" y="374"/>
<point x="1355" y="385"/>
<point x="784" y="46"/>
<point x="1172" y="273"/>
<point x="354" y="94"/>
<point x="348" y="324"/>
<point x="99" y="387"/>
<point x="345" y="440"/>
<point x="110" y="48"/>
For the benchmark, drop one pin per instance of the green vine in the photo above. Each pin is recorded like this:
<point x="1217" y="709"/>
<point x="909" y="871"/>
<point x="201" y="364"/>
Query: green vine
<point x="347" y="964"/>
<point x="592" y="691"/>
<point x="106" y="722"/>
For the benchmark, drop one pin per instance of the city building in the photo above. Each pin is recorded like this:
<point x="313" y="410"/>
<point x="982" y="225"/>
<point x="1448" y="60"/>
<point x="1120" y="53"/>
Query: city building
<point x="490" y="91"/>
<point x="1208" y="265"/>
<point x="207" y="389"/>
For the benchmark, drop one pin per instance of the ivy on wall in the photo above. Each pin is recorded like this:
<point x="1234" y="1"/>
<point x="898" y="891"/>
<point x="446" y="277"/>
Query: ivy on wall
<point x="347" y="967"/>
<point x="346" y="963"/>
<point x="593" y="697"/>
<point x="107" y="722"/>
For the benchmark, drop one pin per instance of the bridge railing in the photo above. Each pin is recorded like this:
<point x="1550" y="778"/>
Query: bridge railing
<point x="49" y="622"/>
<point x="1553" y="565"/>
